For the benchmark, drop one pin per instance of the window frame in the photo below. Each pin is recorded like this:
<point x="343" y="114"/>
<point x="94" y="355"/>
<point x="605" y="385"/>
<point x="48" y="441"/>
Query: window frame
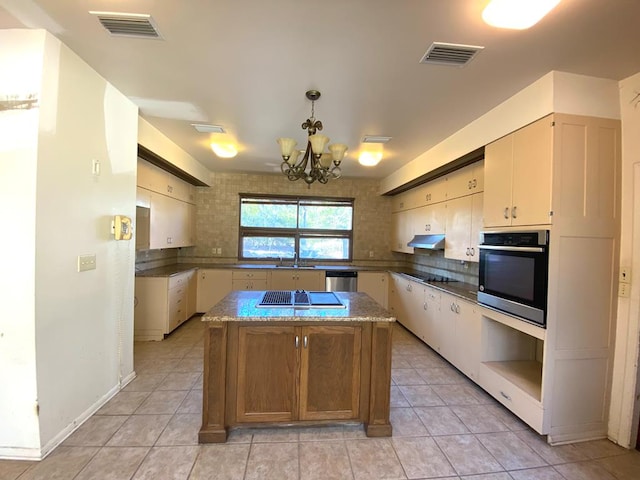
<point x="296" y="233"/>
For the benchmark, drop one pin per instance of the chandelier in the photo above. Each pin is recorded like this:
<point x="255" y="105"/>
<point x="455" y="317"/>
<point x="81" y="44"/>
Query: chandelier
<point x="323" y="166"/>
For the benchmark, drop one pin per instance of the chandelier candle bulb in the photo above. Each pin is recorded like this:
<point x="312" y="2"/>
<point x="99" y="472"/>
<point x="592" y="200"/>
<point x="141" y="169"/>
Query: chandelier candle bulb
<point x="286" y="146"/>
<point x="318" y="142"/>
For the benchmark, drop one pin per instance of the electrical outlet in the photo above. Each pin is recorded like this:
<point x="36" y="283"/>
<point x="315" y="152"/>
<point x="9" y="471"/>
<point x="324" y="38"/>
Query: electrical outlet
<point x="370" y="253"/>
<point x="623" y="290"/>
<point x="625" y="274"/>
<point x="218" y="251"/>
<point x="86" y="262"/>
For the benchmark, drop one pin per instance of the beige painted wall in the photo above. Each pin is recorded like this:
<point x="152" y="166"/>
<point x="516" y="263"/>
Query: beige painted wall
<point x="66" y="338"/>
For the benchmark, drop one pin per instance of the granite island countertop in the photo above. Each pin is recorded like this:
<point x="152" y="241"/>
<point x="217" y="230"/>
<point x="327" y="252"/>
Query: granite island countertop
<point x="241" y="306"/>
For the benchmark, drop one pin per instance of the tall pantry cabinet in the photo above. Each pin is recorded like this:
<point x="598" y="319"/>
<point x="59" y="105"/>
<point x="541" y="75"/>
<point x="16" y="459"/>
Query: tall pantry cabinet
<point x="562" y="174"/>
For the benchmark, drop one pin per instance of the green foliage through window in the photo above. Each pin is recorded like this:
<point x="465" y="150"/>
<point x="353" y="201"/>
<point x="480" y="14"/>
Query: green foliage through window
<point x="281" y="227"/>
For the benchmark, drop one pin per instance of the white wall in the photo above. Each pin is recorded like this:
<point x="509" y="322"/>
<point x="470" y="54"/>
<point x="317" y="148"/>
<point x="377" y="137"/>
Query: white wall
<point x="555" y="92"/>
<point x="83" y="322"/>
<point x="21" y="55"/>
<point x="624" y="388"/>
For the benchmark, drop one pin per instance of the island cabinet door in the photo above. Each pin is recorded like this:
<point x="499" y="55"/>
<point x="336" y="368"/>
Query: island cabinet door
<point x="267" y="368"/>
<point x="330" y="372"/>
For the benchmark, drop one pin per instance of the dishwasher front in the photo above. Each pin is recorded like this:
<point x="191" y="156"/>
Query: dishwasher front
<point x="341" y="281"/>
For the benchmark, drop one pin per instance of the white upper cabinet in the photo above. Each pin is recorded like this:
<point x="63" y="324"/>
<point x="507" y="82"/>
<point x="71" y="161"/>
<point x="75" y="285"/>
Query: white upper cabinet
<point x="517" y="177"/>
<point x="464" y="221"/>
<point x="465" y="181"/>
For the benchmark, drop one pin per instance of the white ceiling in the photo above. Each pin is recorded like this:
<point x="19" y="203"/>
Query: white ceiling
<point x="246" y="64"/>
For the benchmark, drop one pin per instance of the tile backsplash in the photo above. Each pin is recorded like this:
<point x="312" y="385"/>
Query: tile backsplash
<point x="217" y="222"/>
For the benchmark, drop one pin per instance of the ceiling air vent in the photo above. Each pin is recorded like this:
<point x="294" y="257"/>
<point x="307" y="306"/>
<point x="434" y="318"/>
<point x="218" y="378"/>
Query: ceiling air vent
<point x="139" y="25"/>
<point x="450" y="54"/>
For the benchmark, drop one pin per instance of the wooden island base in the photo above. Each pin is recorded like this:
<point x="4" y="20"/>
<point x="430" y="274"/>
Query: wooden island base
<point x="265" y="373"/>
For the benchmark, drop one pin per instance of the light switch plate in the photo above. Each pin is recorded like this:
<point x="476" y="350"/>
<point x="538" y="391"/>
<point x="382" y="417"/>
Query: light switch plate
<point x="86" y="262"/>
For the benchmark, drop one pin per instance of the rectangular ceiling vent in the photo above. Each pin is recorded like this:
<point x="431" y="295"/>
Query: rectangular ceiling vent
<point x="450" y="54"/>
<point x="207" y="128"/>
<point x="138" y="25"/>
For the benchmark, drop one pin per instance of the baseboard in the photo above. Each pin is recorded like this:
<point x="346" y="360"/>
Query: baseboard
<point x="10" y="453"/>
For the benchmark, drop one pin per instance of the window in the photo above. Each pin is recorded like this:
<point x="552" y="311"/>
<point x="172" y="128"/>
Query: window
<point x="279" y="227"/>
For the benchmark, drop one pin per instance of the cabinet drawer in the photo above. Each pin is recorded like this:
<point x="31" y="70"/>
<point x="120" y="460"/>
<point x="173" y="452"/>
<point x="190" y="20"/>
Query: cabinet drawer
<point x="519" y="402"/>
<point x="249" y="275"/>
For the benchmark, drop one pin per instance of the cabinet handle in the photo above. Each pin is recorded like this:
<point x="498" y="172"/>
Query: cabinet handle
<point x="468" y="252"/>
<point x="514" y="212"/>
<point x="473" y="252"/>
<point x="297" y="341"/>
<point x="409" y="287"/>
<point x="469" y="185"/>
<point x="506" y="212"/>
<point x="451" y="308"/>
<point x="504" y="395"/>
<point x="305" y="342"/>
<point x="424" y="306"/>
<point x="475" y="183"/>
<point x="457" y="308"/>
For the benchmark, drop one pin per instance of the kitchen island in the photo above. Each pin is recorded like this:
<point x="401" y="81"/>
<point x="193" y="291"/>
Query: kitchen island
<point x="296" y="366"/>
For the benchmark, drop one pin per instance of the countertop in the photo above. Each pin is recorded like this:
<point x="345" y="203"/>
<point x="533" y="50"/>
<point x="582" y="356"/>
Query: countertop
<point x="178" y="268"/>
<point x="467" y="291"/>
<point x="240" y="306"/>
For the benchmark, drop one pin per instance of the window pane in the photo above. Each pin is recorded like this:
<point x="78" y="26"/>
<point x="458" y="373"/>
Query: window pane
<point x="271" y="215"/>
<point x="326" y="217"/>
<point x="268" y="247"/>
<point x="324" y="248"/>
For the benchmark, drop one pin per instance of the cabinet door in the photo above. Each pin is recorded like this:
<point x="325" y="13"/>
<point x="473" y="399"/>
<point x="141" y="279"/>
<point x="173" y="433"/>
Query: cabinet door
<point x="213" y="286"/>
<point x="467" y="337"/>
<point x="406" y="303"/>
<point x="267" y="369"/>
<point x="374" y="284"/>
<point x="325" y="351"/>
<point x="457" y="241"/>
<point x="431" y="312"/>
<point x="192" y="293"/>
<point x="532" y="158"/>
<point x="283" y="279"/>
<point x="477" y="220"/>
<point x="429" y="219"/>
<point x="445" y="326"/>
<point x="160" y="222"/>
<point x="497" y="182"/>
<point x="402" y="231"/>
<point x="309" y="280"/>
<point x="464" y="222"/>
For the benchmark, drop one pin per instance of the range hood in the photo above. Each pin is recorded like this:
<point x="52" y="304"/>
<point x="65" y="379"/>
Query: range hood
<point x="432" y="242"/>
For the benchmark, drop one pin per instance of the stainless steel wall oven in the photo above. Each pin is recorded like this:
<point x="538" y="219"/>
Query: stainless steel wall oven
<point x="513" y="273"/>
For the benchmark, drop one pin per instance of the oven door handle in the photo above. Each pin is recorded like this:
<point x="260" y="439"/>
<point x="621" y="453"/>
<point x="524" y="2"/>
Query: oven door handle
<point x="512" y="249"/>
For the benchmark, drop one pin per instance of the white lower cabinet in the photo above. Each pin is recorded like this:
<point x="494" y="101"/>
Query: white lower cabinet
<point x="162" y="304"/>
<point x="376" y="285"/>
<point x="249" y="279"/>
<point x="464" y="328"/>
<point x="213" y="286"/>
<point x="292" y="279"/>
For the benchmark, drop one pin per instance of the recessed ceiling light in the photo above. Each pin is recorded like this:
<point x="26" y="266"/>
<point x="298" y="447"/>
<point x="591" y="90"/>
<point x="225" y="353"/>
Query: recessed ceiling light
<point x="370" y="159"/>
<point x="375" y="139"/>
<point x="224" y="150"/>
<point x="517" y="14"/>
<point x="206" y="128"/>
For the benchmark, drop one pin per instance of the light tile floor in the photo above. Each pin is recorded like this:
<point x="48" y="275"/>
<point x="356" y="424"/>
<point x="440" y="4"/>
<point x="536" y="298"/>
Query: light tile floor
<point x="444" y="426"/>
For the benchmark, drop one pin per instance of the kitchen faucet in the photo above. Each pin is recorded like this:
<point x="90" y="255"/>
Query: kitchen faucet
<point x="295" y="259"/>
